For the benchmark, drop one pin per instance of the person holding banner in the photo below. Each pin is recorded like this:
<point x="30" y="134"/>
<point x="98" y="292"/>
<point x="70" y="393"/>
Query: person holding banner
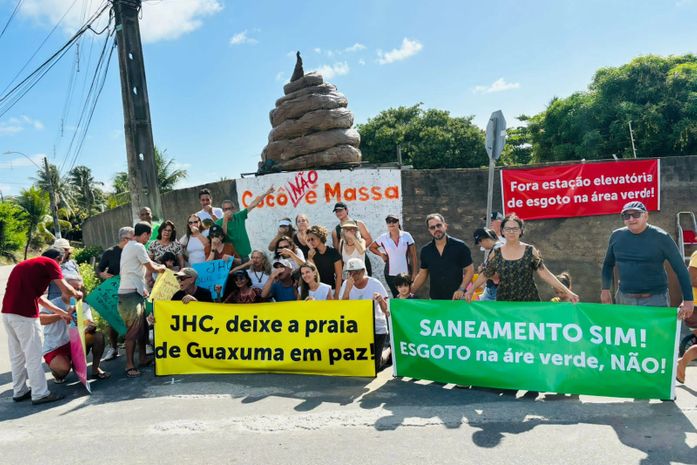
<point x="280" y="285"/>
<point x="132" y="293"/>
<point x="56" y="348"/>
<point x="447" y="260"/>
<point x="310" y="286"/>
<point x="360" y="286"/>
<point x="110" y="266"/>
<point x="691" y="322"/>
<point x="233" y="224"/>
<point x="515" y="262"/>
<point x="639" y="250"/>
<point x="188" y="290"/>
<point x="325" y="258"/>
<point x="398" y="250"/>
<point x="241" y="290"/>
<point x="20" y="313"/>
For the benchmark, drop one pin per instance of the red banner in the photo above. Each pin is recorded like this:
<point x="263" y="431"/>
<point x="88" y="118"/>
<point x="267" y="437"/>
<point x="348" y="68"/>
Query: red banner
<point x="584" y="189"/>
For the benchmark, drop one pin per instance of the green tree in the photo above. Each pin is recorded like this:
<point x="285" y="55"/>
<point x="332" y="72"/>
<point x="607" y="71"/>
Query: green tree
<point x="657" y="94"/>
<point x="167" y="178"/>
<point x="12" y="229"/>
<point x="428" y="138"/>
<point x="89" y="197"/>
<point x="34" y="202"/>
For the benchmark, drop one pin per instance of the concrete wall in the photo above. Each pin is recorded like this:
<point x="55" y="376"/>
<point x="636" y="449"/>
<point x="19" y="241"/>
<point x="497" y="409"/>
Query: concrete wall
<point x="576" y="245"/>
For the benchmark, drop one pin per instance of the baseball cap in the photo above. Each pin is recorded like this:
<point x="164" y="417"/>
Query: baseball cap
<point x="355" y="264"/>
<point x="392" y="217"/>
<point x="639" y="206"/>
<point x="53" y="253"/>
<point x="239" y="273"/>
<point x="339" y="206"/>
<point x="61" y="244"/>
<point x="215" y="230"/>
<point x="350" y="224"/>
<point x="283" y="262"/>
<point x="483" y="233"/>
<point x="187" y="273"/>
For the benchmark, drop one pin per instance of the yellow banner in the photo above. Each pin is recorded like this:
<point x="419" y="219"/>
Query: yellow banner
<point x="306" y="337"/>
<point x="166" y="285"/>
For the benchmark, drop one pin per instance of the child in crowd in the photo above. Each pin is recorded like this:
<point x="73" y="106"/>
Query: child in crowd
<point x="564" y="278"/>
<point x="403" y="284"/>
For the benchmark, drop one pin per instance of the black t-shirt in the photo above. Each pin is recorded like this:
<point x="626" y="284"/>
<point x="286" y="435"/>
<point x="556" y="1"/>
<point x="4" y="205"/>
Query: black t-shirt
<point x="325" y="265"/>
<point x="201" y="294"/>
<point x="111" y="260"/>
<point x="304" y="248"/>
<point x="445" y="270"/>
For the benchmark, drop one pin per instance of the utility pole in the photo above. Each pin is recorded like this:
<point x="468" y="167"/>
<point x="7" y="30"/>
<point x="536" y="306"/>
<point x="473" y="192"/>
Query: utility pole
<point x="631" y="136"/>
<point x="52" y="199"/>
<point x="140" y="148"/>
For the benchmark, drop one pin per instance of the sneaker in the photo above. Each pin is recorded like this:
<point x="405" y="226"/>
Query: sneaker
<point x="52" y="397"/>
<point x="110" y="354"/>
<point x="25" y="396"/>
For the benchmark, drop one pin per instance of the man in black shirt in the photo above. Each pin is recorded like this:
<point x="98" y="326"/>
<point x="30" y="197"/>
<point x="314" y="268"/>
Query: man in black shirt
<point x="189" y="291"/>
<point x="447" y="260"/>
<point x="110" y="266"/>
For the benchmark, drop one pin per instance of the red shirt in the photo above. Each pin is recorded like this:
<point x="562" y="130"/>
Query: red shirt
<point x="27" y="282"/>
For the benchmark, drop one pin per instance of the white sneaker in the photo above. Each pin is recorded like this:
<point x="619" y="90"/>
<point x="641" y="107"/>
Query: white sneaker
<point x="110" y="354"/>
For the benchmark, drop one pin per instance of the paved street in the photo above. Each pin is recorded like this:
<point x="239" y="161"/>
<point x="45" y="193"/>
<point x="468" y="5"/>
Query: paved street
<point x="319" y="420"/>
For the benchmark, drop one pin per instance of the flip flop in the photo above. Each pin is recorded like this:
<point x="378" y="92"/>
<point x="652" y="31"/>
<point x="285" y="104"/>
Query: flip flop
<point x="133" y="372"/>
<point x="101" y="375"/>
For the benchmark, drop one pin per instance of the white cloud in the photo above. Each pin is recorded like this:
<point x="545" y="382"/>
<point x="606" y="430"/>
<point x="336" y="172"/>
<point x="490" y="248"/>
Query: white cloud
<point x="499" y="85"/>
<point x="15" y="160"/>
<point x="361" y="62"/>
<point x="160" y="20"/>
<point x="19" y="124"/>
<point x="317" y="50"/>
<point x="408" y="48"/>
<point x="355" y="48"/>
<point x="337" y="69"/>
<point x="242" y="38"/>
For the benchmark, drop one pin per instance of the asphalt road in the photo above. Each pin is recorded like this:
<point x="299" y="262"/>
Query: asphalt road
<point x="283" y="419"/>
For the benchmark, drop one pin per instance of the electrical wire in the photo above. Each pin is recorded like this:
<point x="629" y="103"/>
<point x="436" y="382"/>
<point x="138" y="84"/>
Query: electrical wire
<point x="9" y="20"/>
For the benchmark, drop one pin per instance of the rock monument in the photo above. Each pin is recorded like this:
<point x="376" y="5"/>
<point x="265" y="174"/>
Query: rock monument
<point x="311" y="126"/>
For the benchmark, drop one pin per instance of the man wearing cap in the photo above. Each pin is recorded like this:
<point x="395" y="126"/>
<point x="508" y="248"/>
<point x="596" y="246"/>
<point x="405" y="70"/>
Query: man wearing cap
<point x="495" y="221"/>
<point x="188" y="290"/>
<point x="68" y="266"/>
<point x="360" y="286"/>
<point x="447" y="260"/>
<point x="639" y="250"/>
<point x="233" y="224"/>
<point x="110" y="266"/>
<point x="20" y="314"/>
<point x="341" y="212"/>
<point x="132" y="292"/>
<point x="280" y="285"/>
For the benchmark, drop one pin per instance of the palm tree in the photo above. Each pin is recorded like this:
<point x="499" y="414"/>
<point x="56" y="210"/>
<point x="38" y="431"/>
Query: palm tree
<point x="62" y="188"/>
<point x="34" y="202"/>
<point x="88" y="196"/>
<point x="167" y="178"/>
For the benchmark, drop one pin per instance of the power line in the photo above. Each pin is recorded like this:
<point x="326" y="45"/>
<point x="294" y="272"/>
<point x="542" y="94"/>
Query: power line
<point x="8" y="100"/>
<point x="9" y="20"/>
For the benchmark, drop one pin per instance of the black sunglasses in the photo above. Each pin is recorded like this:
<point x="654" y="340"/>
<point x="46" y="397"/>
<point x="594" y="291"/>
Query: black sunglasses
<point x="627" y="215"/>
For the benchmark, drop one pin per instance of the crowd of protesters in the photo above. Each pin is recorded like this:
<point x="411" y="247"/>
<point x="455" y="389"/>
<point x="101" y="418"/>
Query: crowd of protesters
<point x="300" y="264"/>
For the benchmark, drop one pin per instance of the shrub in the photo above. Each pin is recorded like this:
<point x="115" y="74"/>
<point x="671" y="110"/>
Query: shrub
<point x="85" y="255"/>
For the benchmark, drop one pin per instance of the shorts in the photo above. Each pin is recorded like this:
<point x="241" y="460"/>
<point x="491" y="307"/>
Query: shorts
<point x="63" y="351"/>
<point x="131" y="309"/>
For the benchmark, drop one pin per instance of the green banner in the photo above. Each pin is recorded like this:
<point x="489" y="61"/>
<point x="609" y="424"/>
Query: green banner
<point x="604" y="350"/>
<point x="105" y="300"/>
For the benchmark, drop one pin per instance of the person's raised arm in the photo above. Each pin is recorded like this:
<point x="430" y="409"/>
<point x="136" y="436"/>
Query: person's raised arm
<point x="258" y="200"/>
<point x="269" y="282"/>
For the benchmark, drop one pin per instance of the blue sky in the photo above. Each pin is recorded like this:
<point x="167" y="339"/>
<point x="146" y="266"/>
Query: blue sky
<point x="216" y="67"/>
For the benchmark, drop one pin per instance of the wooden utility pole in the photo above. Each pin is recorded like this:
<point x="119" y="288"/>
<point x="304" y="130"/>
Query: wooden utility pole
<point x="140" y="148"/>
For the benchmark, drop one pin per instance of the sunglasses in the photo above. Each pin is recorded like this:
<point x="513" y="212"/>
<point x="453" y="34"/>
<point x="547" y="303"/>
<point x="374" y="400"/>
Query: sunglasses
<point x="194" y="222"/>
<point x="392" y="221"/>
<point x="183" y="278"/>
<point x="627" y="215"/>
<point x="436" y="226"/>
